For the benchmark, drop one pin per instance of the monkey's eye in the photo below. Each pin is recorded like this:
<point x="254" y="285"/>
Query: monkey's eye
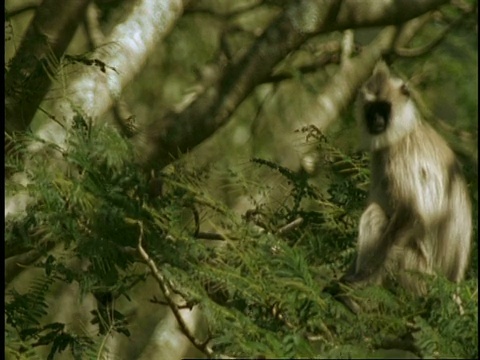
<point x="405" y="90"/>
<point x="377" y="116"/>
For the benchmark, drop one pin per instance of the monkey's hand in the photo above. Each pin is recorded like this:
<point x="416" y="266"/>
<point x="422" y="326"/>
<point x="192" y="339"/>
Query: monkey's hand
<point x="338" y="289"/>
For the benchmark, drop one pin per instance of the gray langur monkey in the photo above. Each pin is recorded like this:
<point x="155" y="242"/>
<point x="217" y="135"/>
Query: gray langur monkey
<point x="419" y="217"/>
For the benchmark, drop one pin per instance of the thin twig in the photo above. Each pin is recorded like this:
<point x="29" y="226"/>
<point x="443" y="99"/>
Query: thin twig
<point x="15" y="264"/>
<point x="422" y="50"/>
<point x="290" y="226"/>
<point x="167" y="293"/>
<point x="185" y="305"/>
<point x="213" y="236"/>
<point x="216" y="236"/>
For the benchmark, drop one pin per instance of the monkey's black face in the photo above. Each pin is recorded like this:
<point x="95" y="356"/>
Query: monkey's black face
<point x="377" y="116"/>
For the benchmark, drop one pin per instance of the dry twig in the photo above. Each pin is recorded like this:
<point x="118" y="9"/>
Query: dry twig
<point x="168" y="295"/>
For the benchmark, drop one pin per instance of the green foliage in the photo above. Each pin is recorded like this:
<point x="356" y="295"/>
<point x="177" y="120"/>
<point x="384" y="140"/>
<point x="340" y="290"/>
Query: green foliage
<point x="24" y="312"/>
<point x="263" y="288"/>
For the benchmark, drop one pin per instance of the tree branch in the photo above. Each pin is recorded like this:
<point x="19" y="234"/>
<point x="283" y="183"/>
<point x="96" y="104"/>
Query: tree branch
<point x="32" y="5"/>
<point x="91" y="91"/>
<point x="123" y="116"/>
<point x="222" y="15"/>
<point x="167" y="293"/>
<point x="29" y="77"/>
<point x="364" y="13"/>
<point x="177" y="133"/>
<point x="424" y="49"/>
<point x="290" y="226"/>
<point x="342" y="87"/>
<point x="323" y="59"/>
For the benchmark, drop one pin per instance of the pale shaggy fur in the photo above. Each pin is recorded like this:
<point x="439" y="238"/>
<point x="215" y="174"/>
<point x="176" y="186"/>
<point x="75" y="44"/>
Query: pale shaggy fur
<point x="418" y="216"/>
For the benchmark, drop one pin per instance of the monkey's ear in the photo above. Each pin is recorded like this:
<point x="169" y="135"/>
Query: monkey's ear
<point x="404" y="89"/>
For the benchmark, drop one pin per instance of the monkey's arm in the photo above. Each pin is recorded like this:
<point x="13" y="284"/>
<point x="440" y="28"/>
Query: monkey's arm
<point x="376" y="237"/>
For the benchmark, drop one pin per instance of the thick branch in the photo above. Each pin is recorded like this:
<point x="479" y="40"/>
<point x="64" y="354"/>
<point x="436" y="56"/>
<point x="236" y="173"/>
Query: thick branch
<point x="176" y="133"/>
<point x="92" y="91"/>
<point x="29" y="76"/>
<point x="122" y="115"/>
<point x="342" y="87"/>
<point x="321" y="61"/>
<point x="21" y="9"/>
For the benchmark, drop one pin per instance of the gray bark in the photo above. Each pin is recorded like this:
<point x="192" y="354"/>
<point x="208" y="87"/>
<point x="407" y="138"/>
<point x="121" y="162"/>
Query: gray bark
<point x="92" y="91"/>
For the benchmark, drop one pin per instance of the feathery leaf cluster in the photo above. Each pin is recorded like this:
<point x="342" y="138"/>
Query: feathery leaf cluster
<point x="262" y="284"/>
